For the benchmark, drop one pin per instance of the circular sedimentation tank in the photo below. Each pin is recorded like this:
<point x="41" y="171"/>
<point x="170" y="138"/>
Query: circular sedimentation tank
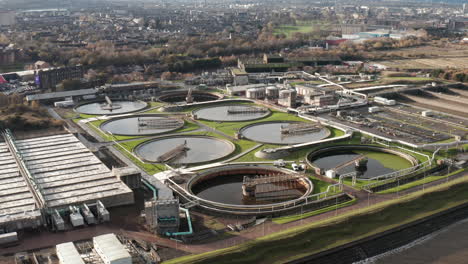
<point x="232" y="113"/>
<point x="184" y="149"/>
<point x="223" y="186"/>
<point x="141" y="125"/>
<point x="271" y="133"/>
<point x="180" y="97"/>
<point x="377" y="161"/>
<point x="102" y="108"/>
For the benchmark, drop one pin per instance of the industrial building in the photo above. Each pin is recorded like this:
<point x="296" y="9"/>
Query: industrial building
<point x="40" y="175"/>
<point x="318" y="96"/>
<point x="68" y="254"/>
<point x="111" y="250"/>
<point x="255" y="93"/>
<point x="48" y="79"/>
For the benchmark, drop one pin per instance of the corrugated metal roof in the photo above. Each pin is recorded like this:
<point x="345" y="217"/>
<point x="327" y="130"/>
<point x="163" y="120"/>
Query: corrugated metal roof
<point x="55" y="95"/>
<point x="110" y="245"/>
<point x="69" y="254"/>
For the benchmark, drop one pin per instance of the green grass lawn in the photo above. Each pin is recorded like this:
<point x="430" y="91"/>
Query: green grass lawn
<point x="317" y="236"/>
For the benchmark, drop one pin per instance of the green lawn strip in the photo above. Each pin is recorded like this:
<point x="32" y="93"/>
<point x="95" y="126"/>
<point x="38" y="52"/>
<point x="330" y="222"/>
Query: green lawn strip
<point x="156" y="104"/>
<point x="425" y="180"/>
<point x="189" y="126"/>
<point x="291" y="218"/>
<point x="152" y="111"/>
<point x="445" y="141"/>
<point x="83" y="116"/>
<point x="317" y="236"/>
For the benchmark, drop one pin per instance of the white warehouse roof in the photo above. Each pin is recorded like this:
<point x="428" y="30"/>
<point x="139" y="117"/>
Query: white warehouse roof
<point x="68" y="254"/>
<point x="109" y="247"/>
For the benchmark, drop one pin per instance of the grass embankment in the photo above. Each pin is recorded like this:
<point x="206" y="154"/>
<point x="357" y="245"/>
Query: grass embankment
<point x="314" y="237"/>
<point x="425" y="180"/>
<point x="292" y="218"/>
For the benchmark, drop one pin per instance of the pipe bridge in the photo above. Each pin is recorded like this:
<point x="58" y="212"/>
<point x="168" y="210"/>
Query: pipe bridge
<point x="358" y="161"/>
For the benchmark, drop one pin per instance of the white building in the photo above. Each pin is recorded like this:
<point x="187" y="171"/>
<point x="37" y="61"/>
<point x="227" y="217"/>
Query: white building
<point x="111" y="250"/>
<point x="67" y="254"/>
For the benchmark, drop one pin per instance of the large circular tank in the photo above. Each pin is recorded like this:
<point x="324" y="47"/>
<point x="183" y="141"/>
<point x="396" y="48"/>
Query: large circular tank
<point x="274" y="133"/>
<point x="231" y="113"/>
<point x="188" y="149"/>
<point x="102" y="108"/>
<point x="272" y="92"/>
<point x="366" y="161"/>
<point x="141" y="125"/>
<point x="225" y="186"/>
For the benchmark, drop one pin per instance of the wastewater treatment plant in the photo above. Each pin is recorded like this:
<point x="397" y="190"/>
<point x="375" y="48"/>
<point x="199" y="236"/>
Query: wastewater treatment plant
<point x="205" y="166"/>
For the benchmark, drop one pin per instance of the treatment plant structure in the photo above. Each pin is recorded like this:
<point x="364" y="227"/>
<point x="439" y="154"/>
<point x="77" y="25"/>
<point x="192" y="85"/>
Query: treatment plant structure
<point x="273" y="151"/>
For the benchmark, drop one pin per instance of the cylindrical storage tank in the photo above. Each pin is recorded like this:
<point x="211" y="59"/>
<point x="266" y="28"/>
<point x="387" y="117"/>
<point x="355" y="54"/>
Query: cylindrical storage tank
<point x="255" y="93"/>
<point x="284" y="93"/>
<point x="272" y="92"/>
<point x="293" y="94"/>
